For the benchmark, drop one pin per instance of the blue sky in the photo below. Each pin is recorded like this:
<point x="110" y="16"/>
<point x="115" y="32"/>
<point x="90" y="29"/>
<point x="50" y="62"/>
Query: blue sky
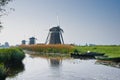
<point x="83" y="21"/>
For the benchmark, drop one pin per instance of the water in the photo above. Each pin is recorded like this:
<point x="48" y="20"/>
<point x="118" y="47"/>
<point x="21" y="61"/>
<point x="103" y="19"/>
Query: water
<point x="36" y="68"/>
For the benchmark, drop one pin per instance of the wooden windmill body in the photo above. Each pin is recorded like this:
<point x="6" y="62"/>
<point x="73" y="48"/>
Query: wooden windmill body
<point x="23" y="42"/>
<point x="32" y="40"/>
<point x="55" y="36"/>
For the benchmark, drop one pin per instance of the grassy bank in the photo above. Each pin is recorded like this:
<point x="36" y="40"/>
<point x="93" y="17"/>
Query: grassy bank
<point x="11" y="55"/>
<point x="8" y="57"/>
<point x="64" y="50"/>
<point x="110" y="51"/>
<point x="50" y="50"/>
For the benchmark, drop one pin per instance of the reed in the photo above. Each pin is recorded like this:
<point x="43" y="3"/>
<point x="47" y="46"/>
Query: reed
<point x="42" y="48"/>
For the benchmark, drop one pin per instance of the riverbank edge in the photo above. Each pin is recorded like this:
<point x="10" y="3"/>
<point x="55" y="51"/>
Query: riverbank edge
<point x="111" y="51"/>
<point x="8" y="57"/>
<point x="47" y="55"/>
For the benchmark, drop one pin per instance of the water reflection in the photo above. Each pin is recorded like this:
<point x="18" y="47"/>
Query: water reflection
<point x="37" y="68"/>
<point x="108" y="63"/>
<point x="14" y="69"/>
<point x="55" y="68"/>
<point x="54" y="62"/>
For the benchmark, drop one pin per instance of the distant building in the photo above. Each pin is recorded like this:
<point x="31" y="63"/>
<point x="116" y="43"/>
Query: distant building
<point x="92" y="44"/>
<point x="32" y="40"/>
<point x="6" y="45"/>
<point x="23" y="42"/>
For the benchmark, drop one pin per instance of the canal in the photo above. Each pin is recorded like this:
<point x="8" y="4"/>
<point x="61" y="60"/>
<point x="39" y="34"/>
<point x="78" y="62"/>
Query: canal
<point x="37" y="68"/>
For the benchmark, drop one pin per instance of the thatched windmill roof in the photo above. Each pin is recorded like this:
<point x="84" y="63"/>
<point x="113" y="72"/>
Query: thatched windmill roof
<point x="56" y="29"/>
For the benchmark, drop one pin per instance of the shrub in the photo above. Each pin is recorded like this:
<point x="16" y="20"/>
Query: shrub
<point x="2" y="72"/>
<point x="11" y="55"/>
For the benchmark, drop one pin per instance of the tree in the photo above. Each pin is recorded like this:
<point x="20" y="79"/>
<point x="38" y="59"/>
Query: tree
<point x="3" y="3"/>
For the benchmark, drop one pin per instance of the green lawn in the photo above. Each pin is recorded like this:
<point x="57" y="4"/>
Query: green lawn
<point x="111" y="51"/>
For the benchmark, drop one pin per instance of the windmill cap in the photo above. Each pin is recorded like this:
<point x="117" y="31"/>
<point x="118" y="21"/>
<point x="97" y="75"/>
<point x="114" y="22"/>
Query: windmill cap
<point x="32" y="38"/>
<point x="56" y="29"/>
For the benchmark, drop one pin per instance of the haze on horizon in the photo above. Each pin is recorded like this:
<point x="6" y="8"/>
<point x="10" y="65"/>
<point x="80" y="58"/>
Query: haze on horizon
<point x="83" y="21"/>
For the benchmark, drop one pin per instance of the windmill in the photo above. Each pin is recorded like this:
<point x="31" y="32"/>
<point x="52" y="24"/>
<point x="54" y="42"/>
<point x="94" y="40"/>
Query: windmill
<point x="23" y="42"/>
<point x="32" y="40"/>
<point x="55" y="36"/>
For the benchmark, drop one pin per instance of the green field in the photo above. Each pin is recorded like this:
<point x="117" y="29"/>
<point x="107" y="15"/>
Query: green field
<point x="110" y="51"/>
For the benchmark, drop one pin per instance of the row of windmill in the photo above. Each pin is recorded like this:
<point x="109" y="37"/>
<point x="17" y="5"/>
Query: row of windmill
<point x="54" y="37"/>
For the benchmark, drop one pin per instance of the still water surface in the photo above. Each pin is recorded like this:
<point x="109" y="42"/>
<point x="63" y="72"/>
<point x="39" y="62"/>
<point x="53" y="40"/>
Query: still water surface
<point x="36" y="68"/>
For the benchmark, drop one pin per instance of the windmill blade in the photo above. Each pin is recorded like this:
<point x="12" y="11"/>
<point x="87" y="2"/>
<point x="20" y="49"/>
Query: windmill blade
<point x="47" y="38"/>
<point x="58" y="21"/>
<point x="62" y="37"/>
<point x="61" y="30"/>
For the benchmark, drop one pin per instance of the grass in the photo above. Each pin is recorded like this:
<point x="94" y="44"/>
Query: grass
<point x="43" y="50"/>
<point x="49" y="48"/>
<point x="8" y="57"/>
<point x="110" y="51"/>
